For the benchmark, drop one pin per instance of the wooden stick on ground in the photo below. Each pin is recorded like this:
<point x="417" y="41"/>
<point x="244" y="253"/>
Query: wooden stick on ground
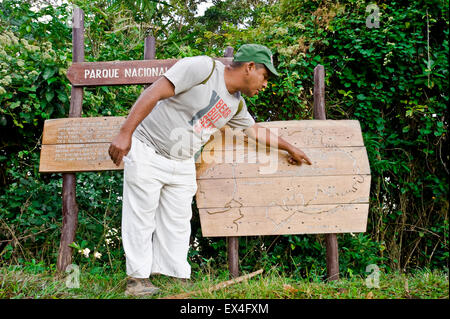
<point x="221" y="285"/>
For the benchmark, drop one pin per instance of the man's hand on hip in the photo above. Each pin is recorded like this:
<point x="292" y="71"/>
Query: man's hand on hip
<point x="120" y="146"/>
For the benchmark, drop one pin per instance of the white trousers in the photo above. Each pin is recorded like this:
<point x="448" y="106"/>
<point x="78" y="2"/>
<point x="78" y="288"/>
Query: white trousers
<point x="156" y="213"/>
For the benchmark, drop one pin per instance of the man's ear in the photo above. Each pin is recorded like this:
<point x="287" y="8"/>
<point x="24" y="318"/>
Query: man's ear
<point x="250" y="66"/>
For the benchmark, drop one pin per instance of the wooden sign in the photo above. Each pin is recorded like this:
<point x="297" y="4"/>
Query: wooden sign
<point x="243" y="191"/>
<point x="78" y="144"/>
<point x="121" y="72"/>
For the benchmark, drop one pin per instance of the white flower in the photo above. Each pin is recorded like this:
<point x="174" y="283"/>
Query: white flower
<point x="97" y="255"/>
<point x="86" y="252"/>
<point x="33" y="73"/>
<point x="112" y="232"/>
<point x="46" y="56"/>
<point x="6" y="80"/>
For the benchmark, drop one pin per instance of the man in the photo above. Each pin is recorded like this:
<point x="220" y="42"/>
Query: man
<point x="165" y="128"/>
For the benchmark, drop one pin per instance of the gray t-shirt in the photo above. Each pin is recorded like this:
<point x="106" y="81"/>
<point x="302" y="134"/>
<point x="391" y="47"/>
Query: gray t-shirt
<point x="179" y="126"/>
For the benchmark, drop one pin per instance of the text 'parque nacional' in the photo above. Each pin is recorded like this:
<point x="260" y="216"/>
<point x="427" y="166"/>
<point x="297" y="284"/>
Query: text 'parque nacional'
<point x="121" y="72"/>
<point x="126" y="73"/>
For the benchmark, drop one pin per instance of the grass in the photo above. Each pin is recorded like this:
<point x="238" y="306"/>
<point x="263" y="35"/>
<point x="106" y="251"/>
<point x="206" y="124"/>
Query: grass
<point x="36" y="281"/>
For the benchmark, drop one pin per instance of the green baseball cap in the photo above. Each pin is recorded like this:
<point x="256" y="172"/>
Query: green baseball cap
<point x="256" y="53"/>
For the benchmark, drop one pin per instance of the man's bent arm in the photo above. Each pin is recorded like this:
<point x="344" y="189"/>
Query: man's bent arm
<point x="121" y="144"/>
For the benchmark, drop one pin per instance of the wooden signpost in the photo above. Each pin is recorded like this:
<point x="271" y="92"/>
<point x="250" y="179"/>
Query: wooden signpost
<point x="320" y="114"/>
<point x="242" y="191"/>
<point x="69" y="203"/>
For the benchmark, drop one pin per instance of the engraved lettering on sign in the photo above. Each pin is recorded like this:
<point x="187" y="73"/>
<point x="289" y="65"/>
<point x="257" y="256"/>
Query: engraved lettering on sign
<point x="127" y="73"/>
<point x="313" y="137"/>
<point x="101" y="73"/>
<point x="144" y="72"/>
<point x="81" y="152"/>
<point x="88" y="132"/>
<point x="309" y="136"/>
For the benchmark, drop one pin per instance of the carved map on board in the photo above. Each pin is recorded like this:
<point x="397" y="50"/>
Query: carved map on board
<point x="256" y="193"/>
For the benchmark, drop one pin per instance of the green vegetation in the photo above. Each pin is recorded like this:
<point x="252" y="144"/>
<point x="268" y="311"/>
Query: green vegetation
<point x="393" y="79"/>
<point x="35" y="280"/>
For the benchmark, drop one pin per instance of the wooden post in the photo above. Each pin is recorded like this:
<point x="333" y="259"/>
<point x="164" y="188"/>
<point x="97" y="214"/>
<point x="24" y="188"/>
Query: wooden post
<point x="332" y="256"/>
<point x="233" y="256"/>
<point x="70" y="207"/>
<point x="320" y="114"/>
<point x="319" y="93"/>
<point x="149" y="50"/>
<point x="232" y="242"/>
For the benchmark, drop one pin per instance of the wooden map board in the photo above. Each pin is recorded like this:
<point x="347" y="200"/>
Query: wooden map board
<point x="251" y="197"/>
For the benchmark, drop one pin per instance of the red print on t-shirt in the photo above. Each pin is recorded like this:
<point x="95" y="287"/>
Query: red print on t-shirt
<point x="207" y="121"/>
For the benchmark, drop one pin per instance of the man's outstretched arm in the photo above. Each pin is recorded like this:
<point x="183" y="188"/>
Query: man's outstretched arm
<point x="121" y="144"/>
<point x="264" y="136"/>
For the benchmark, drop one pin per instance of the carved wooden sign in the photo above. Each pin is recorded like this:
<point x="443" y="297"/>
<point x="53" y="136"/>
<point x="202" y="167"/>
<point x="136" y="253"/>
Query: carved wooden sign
<point x="121" y="72"/>
<point x="256" y="193"/>
<point x="244" y="189"/>
<point x="78" y="144"/>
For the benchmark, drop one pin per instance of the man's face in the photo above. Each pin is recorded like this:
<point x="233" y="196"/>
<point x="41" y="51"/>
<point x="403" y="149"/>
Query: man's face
<point x="255" y="80"/>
